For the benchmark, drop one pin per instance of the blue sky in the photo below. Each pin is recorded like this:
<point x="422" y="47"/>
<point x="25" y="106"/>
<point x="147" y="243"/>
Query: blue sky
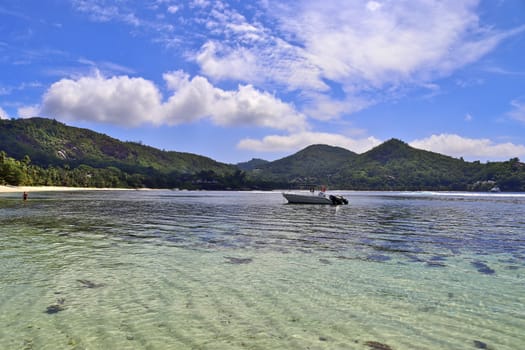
<point x="235" y="80"/>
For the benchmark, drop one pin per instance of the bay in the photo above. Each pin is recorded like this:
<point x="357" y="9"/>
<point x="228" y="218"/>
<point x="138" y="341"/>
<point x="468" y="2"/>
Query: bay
<point x="244" y="270"/>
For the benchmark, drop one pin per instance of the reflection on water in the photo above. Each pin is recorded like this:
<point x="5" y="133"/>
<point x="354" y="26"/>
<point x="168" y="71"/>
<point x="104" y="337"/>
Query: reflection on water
<point x="226" y="270"/>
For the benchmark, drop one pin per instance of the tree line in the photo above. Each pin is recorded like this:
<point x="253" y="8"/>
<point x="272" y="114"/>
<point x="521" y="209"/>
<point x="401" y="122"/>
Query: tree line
<point x="508" y="176"/>
<point x="23" y="173"/>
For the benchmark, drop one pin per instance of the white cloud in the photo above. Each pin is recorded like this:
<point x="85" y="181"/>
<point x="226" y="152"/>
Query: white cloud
<point x="237" y="64"/>
<point x="100" y="11"/>
<point x="119" y="100"/>
<point x="378" y="46"/>
<point x="297" y="141"/>
<point x="173" y="9"/>
<point x="389" y="43"/>
<point x="250" y="52"/>
<point x="518" y="110"/>
<point x="106" y="67"/>
<point x="468" y="117"/>
<point x="8" y="90"/>
<point x="246" y="29"/>
<point x="323" y="107"/>
<point x="134" y="101"/>
<point x="125" y="12"/>
<point x="28" y="111"/>
<point x="448" y="144"/>
<point x="197" y="98"/>
<point x="200" y="3"/>
<point x="248" y="106"/>
<point x="373" y="6"/>
<point x="3" y="114"/>
<point x="468" y="148"/>
<point x="351" y="48"/>
<point x="362" y="46"/>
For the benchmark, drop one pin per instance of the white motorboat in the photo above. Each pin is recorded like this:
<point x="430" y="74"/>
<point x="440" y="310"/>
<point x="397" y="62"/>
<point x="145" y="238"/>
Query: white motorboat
<point x="314" y="198"/>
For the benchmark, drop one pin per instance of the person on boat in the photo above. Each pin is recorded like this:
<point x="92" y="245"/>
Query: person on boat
<point x="25" y="196"/>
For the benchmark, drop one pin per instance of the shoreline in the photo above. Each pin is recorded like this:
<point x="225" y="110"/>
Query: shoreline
<point x="21" y="189"/>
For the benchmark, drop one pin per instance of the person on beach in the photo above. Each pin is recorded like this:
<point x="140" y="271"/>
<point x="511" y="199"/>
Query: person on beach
<point x="24" y="196"/>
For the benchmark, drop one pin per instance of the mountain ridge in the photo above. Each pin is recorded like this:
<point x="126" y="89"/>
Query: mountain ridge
<point x="50" y="152"/>
<point x="49" y="142"/>
<point x="306" y="166"/>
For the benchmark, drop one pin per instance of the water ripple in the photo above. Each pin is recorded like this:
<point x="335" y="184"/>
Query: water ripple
<point x="244" y="270"/>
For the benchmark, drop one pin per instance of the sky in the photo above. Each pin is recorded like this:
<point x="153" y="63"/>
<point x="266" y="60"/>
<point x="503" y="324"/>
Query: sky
<point x="235" y="80"/>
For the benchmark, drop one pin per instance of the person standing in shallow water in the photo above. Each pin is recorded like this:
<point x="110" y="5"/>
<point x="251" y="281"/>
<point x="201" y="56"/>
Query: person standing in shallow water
<point x="25" y="196"/>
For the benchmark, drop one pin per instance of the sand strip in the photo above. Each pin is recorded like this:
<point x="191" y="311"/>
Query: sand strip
<point x="20" y="189"/>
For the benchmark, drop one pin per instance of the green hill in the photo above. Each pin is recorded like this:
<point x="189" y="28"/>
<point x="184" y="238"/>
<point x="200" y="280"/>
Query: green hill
<point x="393" y="165"/>
<point x="49" y="143"/>
<point x="396" y="165"/>
<point x="311" y="166"/>
<point x="254" y="163"/>
<point x="40" y="151"/>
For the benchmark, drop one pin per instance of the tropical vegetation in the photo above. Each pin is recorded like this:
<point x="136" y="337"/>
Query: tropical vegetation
<point x="40" y="151"/>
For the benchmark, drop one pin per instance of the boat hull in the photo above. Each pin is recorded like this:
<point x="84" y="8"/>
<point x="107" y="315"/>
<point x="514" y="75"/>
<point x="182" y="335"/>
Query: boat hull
<point x="294" y="198"/>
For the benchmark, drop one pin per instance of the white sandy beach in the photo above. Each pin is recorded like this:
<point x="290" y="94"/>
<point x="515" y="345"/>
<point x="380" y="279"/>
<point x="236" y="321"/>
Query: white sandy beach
<point x="10" y="189"/>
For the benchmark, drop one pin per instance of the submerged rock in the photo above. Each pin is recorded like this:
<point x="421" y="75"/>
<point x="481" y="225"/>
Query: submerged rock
<point x="437" y="258"/>
<point x="480" y="345"/>
<point x="90" y="284"/>
<point x="414" y="258"/>
<point x="483" y="268"/>
<point x="375" y="345"/>
<point x="435" y="264"/>
<point x="238" y="261"/>
<point x="55" y="308"/>
<point x="378" y="257"/>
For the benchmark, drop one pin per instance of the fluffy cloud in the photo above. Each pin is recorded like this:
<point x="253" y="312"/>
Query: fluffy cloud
<point x="472" y="149"/>
<point x="297" y="141"/>
<point x="134" y="101"/>
<point x="118" y="100"/>
<point x="197" y="98"/>
<point x="352" y="49"/>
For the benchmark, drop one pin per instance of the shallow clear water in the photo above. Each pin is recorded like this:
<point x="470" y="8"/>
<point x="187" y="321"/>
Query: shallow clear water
<point x="230" y="270"/>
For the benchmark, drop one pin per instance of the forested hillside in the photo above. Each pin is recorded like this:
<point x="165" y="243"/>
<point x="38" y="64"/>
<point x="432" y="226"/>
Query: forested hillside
<point x="47" y="152"/>
<point x="393" y="165"/>
<point x="40" y="151"/>
<point x="396" y="165"/>
<point x="314" y="165"/>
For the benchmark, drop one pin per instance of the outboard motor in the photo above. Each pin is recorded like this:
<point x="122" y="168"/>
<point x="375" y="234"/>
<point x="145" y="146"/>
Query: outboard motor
<point x="338" y="200"/>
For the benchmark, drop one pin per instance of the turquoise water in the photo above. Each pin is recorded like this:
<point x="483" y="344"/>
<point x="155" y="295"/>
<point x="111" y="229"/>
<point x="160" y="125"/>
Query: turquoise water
<point x="244" y="270"/>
